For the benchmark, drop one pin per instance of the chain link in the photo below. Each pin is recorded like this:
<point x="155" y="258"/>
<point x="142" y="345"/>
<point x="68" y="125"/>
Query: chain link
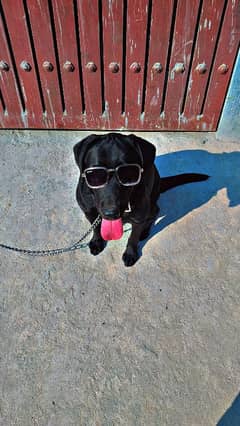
<point x="54" y="252"/>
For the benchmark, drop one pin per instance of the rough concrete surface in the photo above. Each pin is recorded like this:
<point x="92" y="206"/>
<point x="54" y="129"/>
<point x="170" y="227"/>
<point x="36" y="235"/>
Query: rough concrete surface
<point x="86" y="341"/>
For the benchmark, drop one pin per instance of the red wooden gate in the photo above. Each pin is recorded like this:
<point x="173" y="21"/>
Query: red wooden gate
<point x="116" y="64"/>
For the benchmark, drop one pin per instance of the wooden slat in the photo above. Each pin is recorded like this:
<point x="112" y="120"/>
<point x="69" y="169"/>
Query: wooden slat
<point x="135" y="53"/>
<point x="226" y="54"/>
<point x="22" y="52"/>
<point x="112" y="13"/>
<point x="158" y="50"/>
<point x="43" y="41"/>
<point x="185" y="25"/>
<point x="67" y="49"/>
<point x="207" y="34"/>
<point x="88" y="17"/>
<point x="13" y="116"/>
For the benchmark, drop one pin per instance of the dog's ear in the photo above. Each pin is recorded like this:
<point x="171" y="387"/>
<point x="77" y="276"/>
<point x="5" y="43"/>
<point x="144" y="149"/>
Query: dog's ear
<point x="147" y="150"/>
<point x="82" y="147"/>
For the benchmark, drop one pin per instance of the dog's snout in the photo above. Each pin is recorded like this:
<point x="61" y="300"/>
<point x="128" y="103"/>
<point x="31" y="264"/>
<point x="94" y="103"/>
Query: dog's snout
<point x="111" y="214"/>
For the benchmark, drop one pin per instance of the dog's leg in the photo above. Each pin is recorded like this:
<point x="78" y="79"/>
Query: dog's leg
<point x="97" y="244"/>
<point x="145" y="233"/>
<point x="130" y="256"/>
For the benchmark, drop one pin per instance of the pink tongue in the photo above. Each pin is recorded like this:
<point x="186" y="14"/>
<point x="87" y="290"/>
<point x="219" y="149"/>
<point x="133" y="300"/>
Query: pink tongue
<point x="111" y="229"/>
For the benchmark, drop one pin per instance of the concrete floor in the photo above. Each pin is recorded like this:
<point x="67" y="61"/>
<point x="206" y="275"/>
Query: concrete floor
<point x="86" y="341"/>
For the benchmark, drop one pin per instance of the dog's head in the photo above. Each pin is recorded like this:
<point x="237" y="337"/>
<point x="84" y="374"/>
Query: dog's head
<point x="111" y="151"/>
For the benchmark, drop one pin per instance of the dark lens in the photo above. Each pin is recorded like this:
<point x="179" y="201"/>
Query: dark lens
<point x="96" y="177"/>
<point x="129" y="174"/>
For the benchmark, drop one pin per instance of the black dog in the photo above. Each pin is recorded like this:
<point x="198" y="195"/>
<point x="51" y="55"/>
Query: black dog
<point x="119" y="181"/>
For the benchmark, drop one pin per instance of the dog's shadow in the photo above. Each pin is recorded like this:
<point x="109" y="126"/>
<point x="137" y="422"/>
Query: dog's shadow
<point x="224" y="172"/>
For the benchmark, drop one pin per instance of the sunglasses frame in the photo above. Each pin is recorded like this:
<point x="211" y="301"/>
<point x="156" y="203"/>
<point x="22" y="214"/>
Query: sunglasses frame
<point x="110" y="171"/>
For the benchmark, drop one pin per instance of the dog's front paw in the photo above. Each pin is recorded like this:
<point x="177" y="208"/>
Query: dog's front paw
<point x="130" y="256"/>
<point x="96" y="246"/>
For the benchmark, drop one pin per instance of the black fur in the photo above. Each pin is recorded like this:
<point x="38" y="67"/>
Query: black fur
<point x="111" y="150"/>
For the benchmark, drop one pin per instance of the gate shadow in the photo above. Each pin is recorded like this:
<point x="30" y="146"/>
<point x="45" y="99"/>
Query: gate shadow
<point x="232" y="415"/>
<point x="224" y="172"/>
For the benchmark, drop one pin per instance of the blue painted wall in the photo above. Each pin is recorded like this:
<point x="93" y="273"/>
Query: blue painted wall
<point x="229" y="126"/>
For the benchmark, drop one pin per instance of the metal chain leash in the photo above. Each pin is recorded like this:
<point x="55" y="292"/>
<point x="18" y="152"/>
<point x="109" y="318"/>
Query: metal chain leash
<point x="56" y="251"/>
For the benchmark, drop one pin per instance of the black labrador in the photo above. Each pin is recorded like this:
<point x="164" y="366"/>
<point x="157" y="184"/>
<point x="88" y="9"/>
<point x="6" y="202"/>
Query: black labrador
<point x="119" y="181"/>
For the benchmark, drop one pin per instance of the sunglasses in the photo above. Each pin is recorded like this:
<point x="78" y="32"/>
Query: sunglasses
<point x="127" y="175"/>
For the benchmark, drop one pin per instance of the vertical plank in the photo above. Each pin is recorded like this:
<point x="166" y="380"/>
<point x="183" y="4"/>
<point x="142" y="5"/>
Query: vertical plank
<point x="185" y="25"/>
<point x="44" y="45"/>
<point x="223" y="65"/>
<point x="113" y="44"/>
<point x="68" y="57"/>
<point x="137" y="15"/>
<point x="158" y="50"/>
<point x="23" y="55"/>
<point x="13" y="114"/>
<point x="207" y="35"/>
<point x="88" y="17"/>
